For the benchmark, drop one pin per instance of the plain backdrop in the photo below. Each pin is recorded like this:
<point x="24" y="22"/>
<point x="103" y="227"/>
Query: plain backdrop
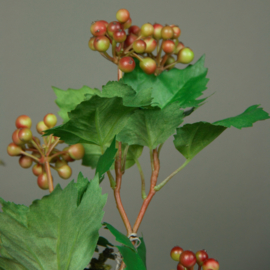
<point x="220" y="201"/>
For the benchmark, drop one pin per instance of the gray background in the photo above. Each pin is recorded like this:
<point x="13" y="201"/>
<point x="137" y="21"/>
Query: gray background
<point x="220" y="201"/>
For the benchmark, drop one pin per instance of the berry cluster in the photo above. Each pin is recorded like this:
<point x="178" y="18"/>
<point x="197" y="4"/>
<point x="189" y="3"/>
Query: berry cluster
<point x="139" y="43"/>
<point x="187" y="259"/>
<point x="42" y="154"/>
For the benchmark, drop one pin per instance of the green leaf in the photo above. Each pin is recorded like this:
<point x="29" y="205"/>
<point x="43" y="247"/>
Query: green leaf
<point x="151" y="127"/>
<point x="119" y="237"/>
<point x="134" y="152"/>
<point x="246" y="119"/>
<point x="142" y="251"/>
<point x="177" y="85"/>
<point x="192" y="138"/>
<point x="60" y="231"/>
<point x="92" y="153"/>
<point x="103" y="242"/>
<point x="69" y="99"/>
<point x="106" y="160"/>
<point x="95" y="121"/>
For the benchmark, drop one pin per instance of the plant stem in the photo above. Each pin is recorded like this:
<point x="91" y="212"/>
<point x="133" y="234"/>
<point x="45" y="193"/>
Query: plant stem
<point x="124" y="159"/>
<point x="53" y="146"/>
<point x="131" y="45"/>
<point x="136" y="56"/>
<point x="49" y="175"/>
<point x="170" y="65"/>
<point x="57" y="154"/>
<point x="119" y="74"/>
<point x="164" y="182"/>
<point x="152" y="160"/>
<point x="142" y="178"/>
<point x="29" y="155"/>
<point x="159" y="54"/>
<point x="112" y="181"/>
<point x="151" y="193"/>
<point x="159" y="148"/>
<point x="37" y="146"/>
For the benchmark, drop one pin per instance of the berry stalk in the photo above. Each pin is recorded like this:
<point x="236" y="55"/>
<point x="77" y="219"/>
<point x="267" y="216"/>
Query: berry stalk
<point x="49" y="175"/>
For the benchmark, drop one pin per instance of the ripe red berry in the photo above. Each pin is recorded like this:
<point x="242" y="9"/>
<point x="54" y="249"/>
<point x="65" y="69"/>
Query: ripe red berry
<point x="181" y="267"/>
<point x="157" y="31"/>
<point x="119" y="35"/>
<point x="98" y="28"/>
<point x="64" y="171"/>
<point x="23" y="121"/>
<point x="201" y="256"/>
<point x="42" y="181"/>
<point x="210" y="264"/>
<point x="185" y="56"/>
<point x="14" y="149"/>
<point x="122" y="15"/>
<point x="102" y="43"/>
<point x="37" y="169"/>
<point x="148" y="65"/>
<point x="129" y="40"/>
<point x="147" y="30"/>
<point x="167" y="32"/>
<point x="176" y="31"/>
<point x="50" y="120"/>
<point x="187" y="258"/>
<point x="169" y="61"/>
<point x="76" y="151"/>
<point x="176" y="252"/>
<point x="113" y="26"/>
<point x="168" y="46"/>
<point x="25" y="162"/>
<point x="151" y="44"/>
<point x="126" y="64"/>
<point x="15" y="137"/>
<point x="139" y="46"/>
<point x="25" y="134"/>
<point x="41" y="127"/>
<point x="179" y="47"/>
<point x="105" y="22"/>
<point x="127" y="24"/>
<point x="134" y="29"/>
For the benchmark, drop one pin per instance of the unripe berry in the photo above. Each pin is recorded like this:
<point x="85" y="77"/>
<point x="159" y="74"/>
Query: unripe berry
<point x="210" y="264"/>
<point x="23" y="121"/>
<point x="122" y="15"/>
<point x="98" y="28"/>
<point x="181" y="267"/>
<point x="126" y="64"/>
<point x="129" y="40"/>
<point x="187" y="258"/>
<point x="113" y="26"/>
<point x="169" y="61"/>
<point x="119" y="35"/>
<point x="179" y="47"/>
<point x="167" y="32"/>
<point x="157" y="31"/>
<point x="15" y="137"/>
<point x="147" y="30"/>
<point x="59" y="163"/>
<point x="76" y="151"/>
<point x="25" y="134"/>
<point x="64" y="171"/>
<point x="201" y="256"/>
<point x="101" y="43"/>
<point x="42" y="181"/>
<point x="148" y="65"/>
<point x="13" y="149"/>
<point x="176" y="31"/>
<point x="168" y="46"/>
<point x="41" y="127"/>
<point x="139" y="46"/>
<point x="66" y="156"/>
<point x="50" y="120"/>
<point x="37" y="169"/>
<point x="25" y="162"/>
<point x="127" y="24"/>
<point x="151" y="44"/>
<point x="185" y="56"/>
<point x="135" y="30"/>
<point x="91" y="43"/>
<point x="176" y="252"/>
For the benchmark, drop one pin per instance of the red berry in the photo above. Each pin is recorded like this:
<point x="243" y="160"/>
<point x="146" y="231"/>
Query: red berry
<point x="176" y="31"/>
<point x="25" y="134"/>
<point x="148" y="65"/>
<point x="119" y="35"/>
<point x="37" y="169"/>
<point x="105" y="22"/>
<point x="176" y="252"/>
<point x="201" y="256"/>
<point x="139" y="46"/>
<point x="181" y="267"/>
<point x="168" y="46"/>
<point x="167" y="32"/>
<point x="42" y="181"/>
<point x="185" y="56"/>
<point x="126" y="64"/>
<point x="157" y="31"/>
<point x="25" y="161"/>
<point x="129" y="40"/>
<point x="113" y="26"/>
<point x="13" y="149"/>
<point x="66" y="156"/>
<point x="41" y="127"/>
<point x="122" y="15"/>
<point x="102" y="43"/>
<point x="151" y="44"/>
<point x="135" y="30"/>
<point x="50" y="120"/>
<point x="76" y="151"/>
<point x="169" y="61"/>
<point x="98" y="28"/>
<point x="147" y="30"/>
<point x="15" y="137"/>
<point x="64" y="171"/>
<point x="179" y="47"/>
<point x="23" y="121"/>
<point x="127" y="24"/>
<point x="210" y="264"/>
<point x="187" y="258"/>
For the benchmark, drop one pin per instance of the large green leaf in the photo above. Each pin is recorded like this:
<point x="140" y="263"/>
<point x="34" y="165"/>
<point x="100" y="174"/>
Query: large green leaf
<point x="142" y="251"/>
<point x="60" y="231"/>
<point x="177" y="85"/>
<point x="151" y="127"/>
<point x="91" y="155"/>
<point x="96" y="121"/>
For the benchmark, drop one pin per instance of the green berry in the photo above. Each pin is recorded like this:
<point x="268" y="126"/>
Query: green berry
<point x="185" y="56"/>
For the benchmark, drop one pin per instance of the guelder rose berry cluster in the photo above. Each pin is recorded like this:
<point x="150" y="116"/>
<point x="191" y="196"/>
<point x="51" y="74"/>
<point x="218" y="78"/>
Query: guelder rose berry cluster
<point x="44" y="155"/>
<point x="187" y="259"/>
<point x="139" y="43"/>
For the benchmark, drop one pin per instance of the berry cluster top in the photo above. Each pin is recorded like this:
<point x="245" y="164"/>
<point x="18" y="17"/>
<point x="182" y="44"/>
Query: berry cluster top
<point x="130" y="41"/>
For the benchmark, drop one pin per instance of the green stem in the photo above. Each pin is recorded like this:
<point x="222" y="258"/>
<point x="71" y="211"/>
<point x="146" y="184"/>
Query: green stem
<point x="112" y="181"/>
<point x="136" y="56"/>
<point x="37" y="146"/>
<point x="52" y="146"/>
<point x="144" y="196"/>
<point x="29" y="155"/>
<point x="164" y="182"/>
<point x="124" y="159"/>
